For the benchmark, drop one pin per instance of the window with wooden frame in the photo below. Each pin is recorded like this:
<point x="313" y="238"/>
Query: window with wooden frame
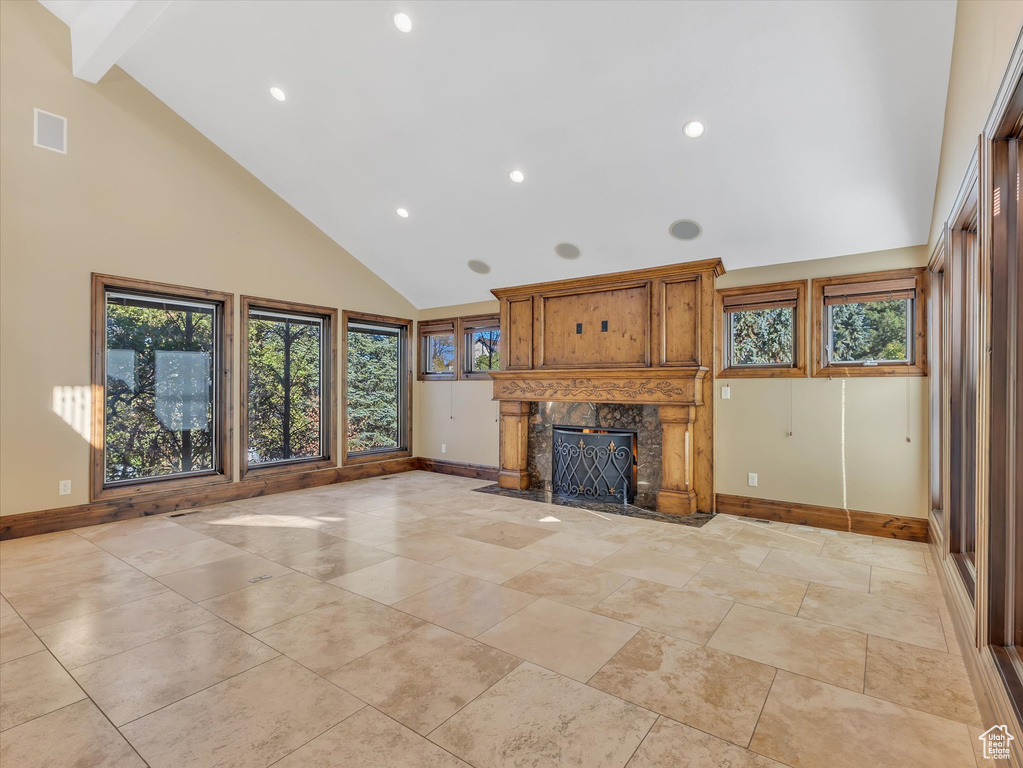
<point x="873" y="324"/>
<point x="438" y="352"/>
<point x="377" y="387"/>
<point x="761" y="331"/>
<point x="481" y="339"/>
<point x="289" y="391"/>
<point x="161" y="367"/>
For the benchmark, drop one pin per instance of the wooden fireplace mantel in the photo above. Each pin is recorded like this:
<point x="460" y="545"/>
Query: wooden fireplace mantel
<point x="644" y="337"/>
<point x="639" y="386"/>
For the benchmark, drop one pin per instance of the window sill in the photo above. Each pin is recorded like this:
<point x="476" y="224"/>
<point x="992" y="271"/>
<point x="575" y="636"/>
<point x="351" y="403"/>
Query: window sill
<point x="286" y="468"/>
<point x="367" y="458"/>
<point x="158" y="487"/>
<point x="874" y="371"/>
<point x="788" y="372"/>
<point x="437" y="377"/>
<point x="477" y="376"/>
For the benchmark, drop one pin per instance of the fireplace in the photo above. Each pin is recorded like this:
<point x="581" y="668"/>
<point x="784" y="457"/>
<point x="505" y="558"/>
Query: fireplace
<point x="595" y="464"/>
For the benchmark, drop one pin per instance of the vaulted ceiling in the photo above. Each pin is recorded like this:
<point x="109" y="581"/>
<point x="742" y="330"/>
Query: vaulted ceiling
<point x="823" y="126"/>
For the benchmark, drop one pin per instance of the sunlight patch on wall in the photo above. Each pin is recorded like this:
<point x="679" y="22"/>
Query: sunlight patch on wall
<point x="72" y="404"/>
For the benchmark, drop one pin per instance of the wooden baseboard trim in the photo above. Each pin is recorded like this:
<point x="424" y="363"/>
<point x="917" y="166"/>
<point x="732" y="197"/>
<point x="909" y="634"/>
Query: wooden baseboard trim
<point x="82" y="515"/>
<point x="832" y="518"/>
<point x="459" y="468"/>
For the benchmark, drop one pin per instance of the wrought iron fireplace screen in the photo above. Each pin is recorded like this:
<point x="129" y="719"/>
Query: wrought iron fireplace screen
<point x="594" y="464"/>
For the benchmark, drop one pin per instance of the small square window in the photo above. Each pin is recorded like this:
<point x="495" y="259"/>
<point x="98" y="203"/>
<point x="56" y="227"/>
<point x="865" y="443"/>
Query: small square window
<point x="438" y="357"/>
<point x="762" y="330"/>
<point x="869" y="325"/>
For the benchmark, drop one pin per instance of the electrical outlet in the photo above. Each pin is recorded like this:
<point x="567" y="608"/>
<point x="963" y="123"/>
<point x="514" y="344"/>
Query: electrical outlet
<point x="726" y="392"/>
<point x="751" y="479"/>
<point x="64" y="488"/>
<point x="443" y="447"/>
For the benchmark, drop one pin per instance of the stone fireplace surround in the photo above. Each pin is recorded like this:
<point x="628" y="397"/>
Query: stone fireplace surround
<point x="642" y="419"/>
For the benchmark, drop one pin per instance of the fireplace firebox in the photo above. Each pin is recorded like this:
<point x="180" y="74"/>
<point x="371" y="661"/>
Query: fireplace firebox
<point x="593" y="463"/>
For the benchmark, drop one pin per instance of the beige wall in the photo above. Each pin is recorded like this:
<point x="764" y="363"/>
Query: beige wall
<point x="142" y="194"/>
<point x="459" y="415"/>
<point x="848" y="446"/>
<point x="986" y="31"/>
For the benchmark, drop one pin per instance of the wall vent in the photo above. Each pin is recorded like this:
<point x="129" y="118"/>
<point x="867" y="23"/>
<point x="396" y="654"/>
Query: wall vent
<point x="50" y="131"/>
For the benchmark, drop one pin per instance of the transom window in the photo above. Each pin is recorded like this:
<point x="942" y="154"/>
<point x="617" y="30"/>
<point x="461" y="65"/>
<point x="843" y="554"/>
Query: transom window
<point x="762" y="330"/>
<point x="289" y="374"/>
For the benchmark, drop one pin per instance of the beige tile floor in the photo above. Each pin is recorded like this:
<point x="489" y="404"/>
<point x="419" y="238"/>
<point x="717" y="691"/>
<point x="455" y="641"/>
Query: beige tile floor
<point x="409" y="621"/>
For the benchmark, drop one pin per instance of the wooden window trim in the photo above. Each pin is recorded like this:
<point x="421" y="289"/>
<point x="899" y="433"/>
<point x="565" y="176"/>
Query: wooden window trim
<point x="347" y="459"/>
<point x="427" y="328"/>
<point x="465" y="326"/>
<point x="768" y="294"/>
<point x="224" y="473"/>
<point x="329" y="314"/>
<point x="868" y="280"/>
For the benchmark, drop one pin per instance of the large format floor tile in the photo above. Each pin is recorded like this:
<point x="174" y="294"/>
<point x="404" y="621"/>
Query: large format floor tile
<point x="561" y="638"/>
<point x="220" y="577"/>
<point x="428" y="546"/>
<point x="491" y="562"/>
<point x="577" y="585"/>
<point x="809" y="724"/>
<point x="328" y="637"/>
<point x="425" y="676"/>
<point x="868" y="552"/>
<point x="778" y="536"/>
<point x="97" y="635"/>
<point x="16" y="639"/>
<point x="822" y="570"/>
<point x="688" y="615"/>
<point x="730" y="552"/>
<point x="392" y="580"/>
<point x="137" y="682"/>
<point x="889" y="617"/>
<point x="32" y="686"/>
<point x="663" y="567"/>
<point x="269" y="602"/>
<point x="335" y="560"/>
<point x="916" y="677"/>
<point x="84" y="738"/>
<point x="713" y="691"/>
<point x="540" y="719"/>
<point x="826" y="653"/>
<point x="370" y="739"/>
<point x="511" y="535"/>
<point x="918" y="587"/>
<point x="569" y="548"/>
<point x="251" y="720"/>
<point x="673" y="745"/>
<point x="761" y="590"/>
<point x="16" y="554"/>
<point x="466" y="605"/>
<point x="162" y="561"/>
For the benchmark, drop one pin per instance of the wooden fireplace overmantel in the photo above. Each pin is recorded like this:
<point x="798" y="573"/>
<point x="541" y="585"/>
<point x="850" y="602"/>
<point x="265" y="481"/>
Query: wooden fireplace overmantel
<point x="644" y="337"/>
<point x="638" y="386"/>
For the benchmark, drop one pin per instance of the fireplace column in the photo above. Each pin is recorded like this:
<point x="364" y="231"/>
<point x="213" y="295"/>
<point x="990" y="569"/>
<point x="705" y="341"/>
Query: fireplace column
<point x="514" y="445"/>
<point x="677" y="494"/>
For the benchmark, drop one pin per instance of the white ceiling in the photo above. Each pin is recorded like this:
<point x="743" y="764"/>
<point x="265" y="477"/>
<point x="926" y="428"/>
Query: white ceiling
<point x="823" y="124"/>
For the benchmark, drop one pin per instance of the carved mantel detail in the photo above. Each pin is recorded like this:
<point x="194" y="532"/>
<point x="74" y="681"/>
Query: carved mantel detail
<point x="679" y="386"/>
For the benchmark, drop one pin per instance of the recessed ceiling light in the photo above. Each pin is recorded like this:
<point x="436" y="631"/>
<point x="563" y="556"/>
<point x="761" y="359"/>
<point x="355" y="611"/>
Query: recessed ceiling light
<point x="566" y="251"/>
<point x="479" y="267"/>
<point x="685" y="229"/>
<point x="693" y="129"/>
<point x="277" y="93"/>
<point x="517" y="176"/>
<point x="402" y="212"/>
<point x="403" y="22"/>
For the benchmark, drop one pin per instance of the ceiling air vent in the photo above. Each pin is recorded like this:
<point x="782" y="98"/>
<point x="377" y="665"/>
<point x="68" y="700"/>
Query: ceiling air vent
<point x="50" y="131"/>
